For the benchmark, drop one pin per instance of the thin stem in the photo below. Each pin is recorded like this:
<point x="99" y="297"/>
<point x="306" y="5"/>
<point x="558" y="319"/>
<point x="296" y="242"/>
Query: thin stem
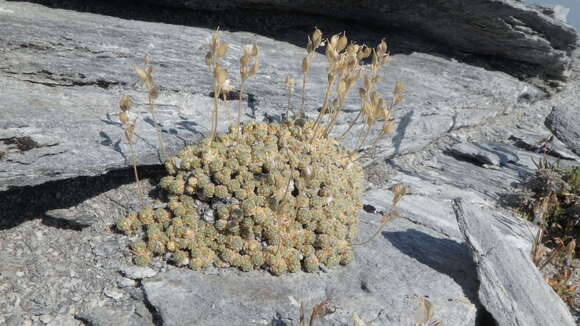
<point x="289" y="102"/>
<point x="351" y="125"/>
<point x="388" y="217"/>
<point x="240" y="101"/>
<point x="303" y="89"/>
<point x="157" y="130"/>
<point x="227" y="108"/>
<point x="139" y="189"/>
<point x="374" y="144"/>
<point x="335" y="113"/>
<point x="215" y="114"/>
<point x="362" y="141"/>
<point x="322" y="111"/>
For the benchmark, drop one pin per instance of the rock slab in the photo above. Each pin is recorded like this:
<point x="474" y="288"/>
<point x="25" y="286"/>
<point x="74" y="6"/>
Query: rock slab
<point x="508" y="29"/>
<point x="564" y="122"/>
<point x="511" y="289"/>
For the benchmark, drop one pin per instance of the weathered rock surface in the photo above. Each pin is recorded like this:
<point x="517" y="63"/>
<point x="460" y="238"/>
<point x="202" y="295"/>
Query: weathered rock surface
<point x="564" y="122"/>
<point x="536" y="35"/>
<point x="515" y="293"/>
<point x="372" y="287"/>
<point x="61" y="75"/>
<point x="70" y="87"/>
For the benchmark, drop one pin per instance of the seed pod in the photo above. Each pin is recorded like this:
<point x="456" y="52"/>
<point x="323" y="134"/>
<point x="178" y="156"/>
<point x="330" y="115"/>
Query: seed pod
<point x="382" y="48"/>
<point x="142" y="74"/>
<point x="221" y="51"/>
<point x="289" y="81"/>
<point x="154" y="93"/>
<point x="220" y="74"/>
<point x="208" y="57"/>
<point x="399" y="87"/>
<point x="341" y="43"/>
<point x="254" y="69"/>
<point x="123" y="117"/>
<point x="244" y="60"/>
<point x="316" y="37"/>
<point x="388" y="127"/>
<point x="341" y="87"/>
<point x="367" y="82"/>
<point x="129" y="131"/>
<point x="331" y="76"/>
<point x="254" y="50"/>
<point x="334" y="40"/>
<point x="399" y="191"/>
<point x="306" y="64"/>
<point x="125" y="103"/>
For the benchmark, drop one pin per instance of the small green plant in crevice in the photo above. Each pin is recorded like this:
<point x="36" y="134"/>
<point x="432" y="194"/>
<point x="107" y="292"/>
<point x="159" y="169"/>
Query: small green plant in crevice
<point x="280" y="196"/>
<point x="551" y="199"/>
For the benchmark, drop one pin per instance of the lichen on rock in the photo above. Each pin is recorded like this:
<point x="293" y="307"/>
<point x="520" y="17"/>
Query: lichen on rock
<point x="272" y="198"/>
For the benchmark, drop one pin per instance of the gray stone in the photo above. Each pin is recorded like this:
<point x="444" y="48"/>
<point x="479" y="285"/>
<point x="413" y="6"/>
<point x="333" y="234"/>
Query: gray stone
<point x="507" y="28"/>
<point x="137" y="273"/>
<point x="101" y="316"/>
<point x="64" y="320"/>
<point x="126" y="282"/>
<point x="564" y="122"/>
<point x="444" y="94"/>
<point x="511" y="288"/>
<point x="107" y="248"/>
<point x="113" y="293"/>
<point x="484" y="154"/>
<point x="74" y="218"/>
<point x="542" y="141"/>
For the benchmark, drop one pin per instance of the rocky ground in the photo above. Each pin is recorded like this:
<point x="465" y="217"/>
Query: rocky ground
<point x="467" y="130"/>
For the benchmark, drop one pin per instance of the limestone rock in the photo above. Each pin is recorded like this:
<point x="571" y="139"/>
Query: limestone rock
<point x="61" y="93"/>
<point x="536" y="35"/>
<point x="564" y="122"/>
<point x="511" y="288"/>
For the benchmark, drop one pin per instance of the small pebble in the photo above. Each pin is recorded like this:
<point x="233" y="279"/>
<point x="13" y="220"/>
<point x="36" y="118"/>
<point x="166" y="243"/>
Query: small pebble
<point x="46" y="318"/>
<point x="137" y="273"/>
<point x="113" y="293"/>
<point x="126" y="283"/>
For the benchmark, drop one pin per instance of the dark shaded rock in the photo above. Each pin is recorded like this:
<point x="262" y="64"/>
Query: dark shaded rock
<point x="564" y="122"/>
<point x="511" y="288"/>
<point x="508" y="29"/>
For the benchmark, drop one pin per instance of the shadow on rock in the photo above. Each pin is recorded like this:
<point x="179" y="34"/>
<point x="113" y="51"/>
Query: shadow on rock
<point x="446" y="256"/>
<point x="21" y="204"/>
<point x="443" y="255"/>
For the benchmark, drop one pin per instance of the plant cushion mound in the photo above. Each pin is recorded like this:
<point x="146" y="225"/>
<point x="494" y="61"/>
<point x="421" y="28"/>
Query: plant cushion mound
<point x="261" y="196"/>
